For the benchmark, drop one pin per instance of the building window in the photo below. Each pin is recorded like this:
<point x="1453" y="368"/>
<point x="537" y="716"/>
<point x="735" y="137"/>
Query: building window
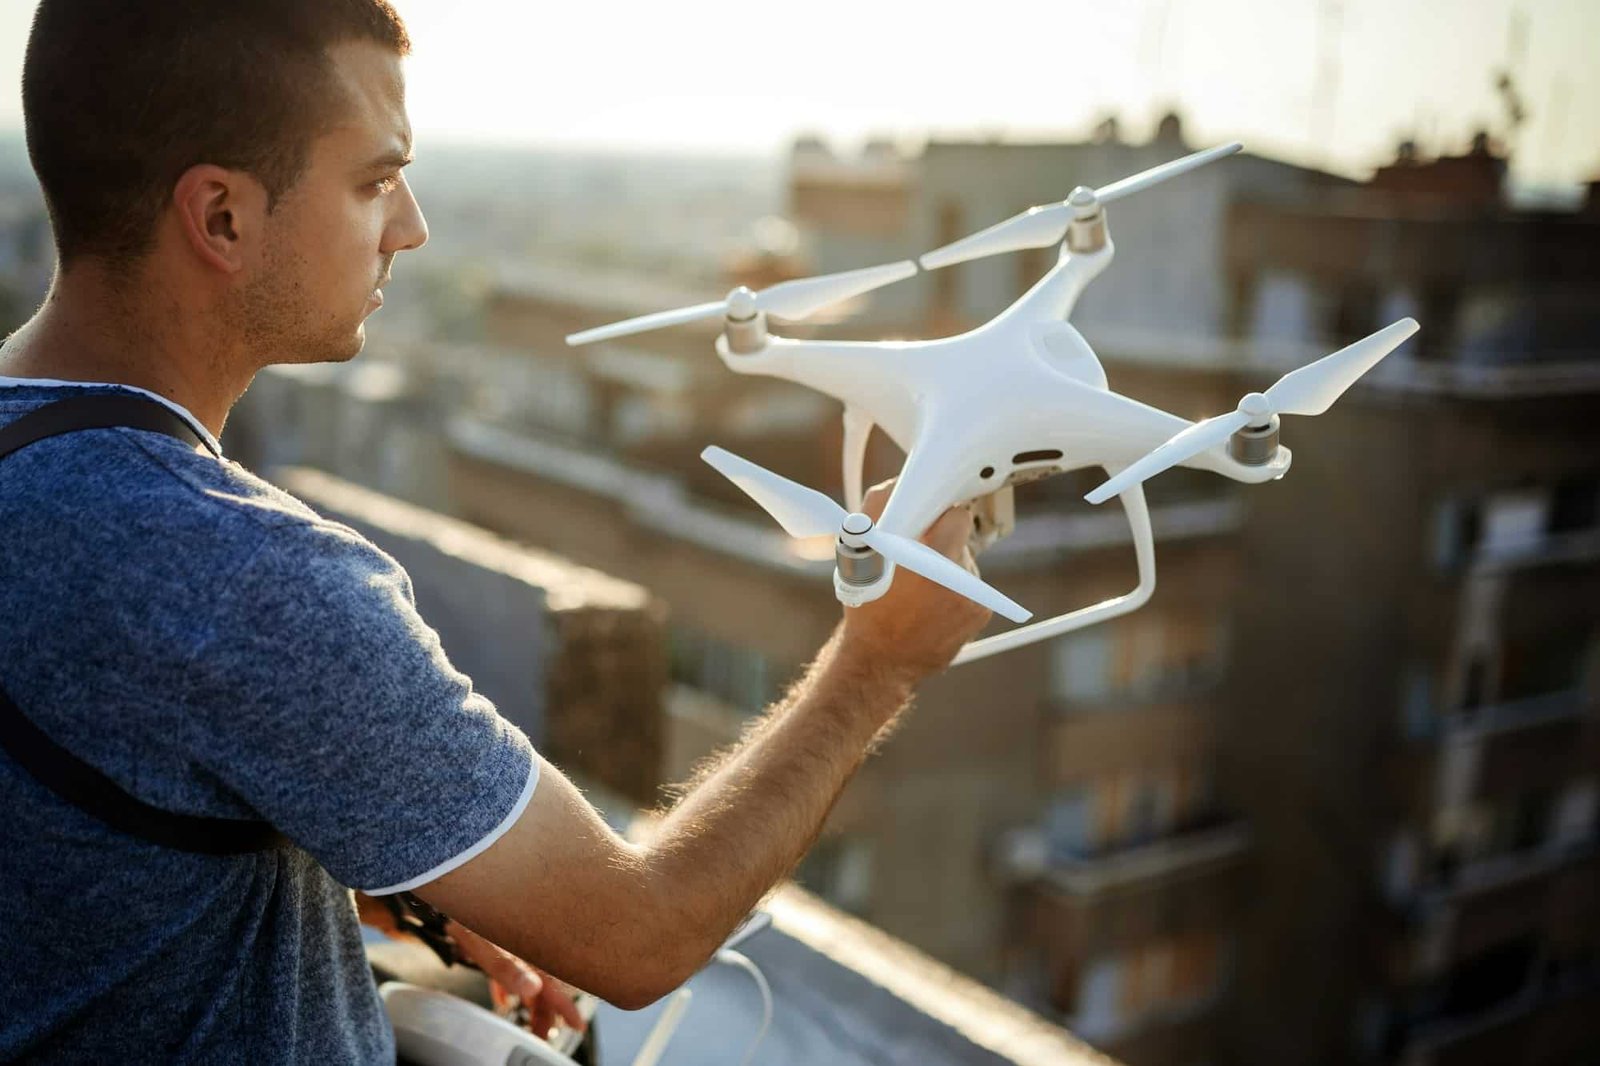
<point x="1157" y="977"/>
<point x="1149" y="656"/>
<point x="1151" y="802"/>
<point x="1133" y="807"/>
<point x="1574" y="821"/>
<point x="1069" y="824"/>
<point x="839" y="869"/>
<point x="1098" y="1016"/>
<point x="1080" y="665"/>
<point x="1400" y="866"/>
<point x="1575" y="504"/>
<point x="1031" y="266"/>
<point x="1456" y="528"/>
<point x="1419" y="715"/>
<point x="946" y="288"/>
<point x="1549" y="664"/>
<point x="740" y="676"/>
<point x="1515" y="520"/>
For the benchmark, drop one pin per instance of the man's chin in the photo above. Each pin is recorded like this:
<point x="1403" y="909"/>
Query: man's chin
<point x="329" y="351"/>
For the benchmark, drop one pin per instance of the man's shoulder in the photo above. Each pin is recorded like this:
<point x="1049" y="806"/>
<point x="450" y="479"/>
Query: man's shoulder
<point x="270" y="534"/>
<point x="142" y="491"/>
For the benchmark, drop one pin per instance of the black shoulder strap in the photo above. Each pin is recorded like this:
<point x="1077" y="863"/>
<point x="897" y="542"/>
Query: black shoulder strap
<point x="53" y="766"/>
<point x="100" y="410"/>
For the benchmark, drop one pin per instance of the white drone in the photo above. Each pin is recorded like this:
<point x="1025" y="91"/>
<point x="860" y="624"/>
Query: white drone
<point x="1020" y="397"/>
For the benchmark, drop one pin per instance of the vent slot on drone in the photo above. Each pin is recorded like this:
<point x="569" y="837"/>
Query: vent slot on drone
<point x="1035" y="457"/>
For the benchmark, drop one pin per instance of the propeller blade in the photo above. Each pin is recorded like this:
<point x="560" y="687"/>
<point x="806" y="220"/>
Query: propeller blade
<point x="921" y="559"/>
<point x="1312" y="389"/>
<point x="1118" y="189"/>
<point x="787" y="299"/>
<point x="802" y="512"/>
<point x="807" y="296"/>
<point x="1040" y="227"/>
<point x="1190" y="442"/>
<point x="645" y="323"/>
<point x="1037" y="227"/>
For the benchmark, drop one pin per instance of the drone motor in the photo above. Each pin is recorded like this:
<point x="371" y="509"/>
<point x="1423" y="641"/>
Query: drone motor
<point x="858" y="566"/>
<point x="1086" y="233"/>
<point x="745" y="324"/>
<point x="1255" y="445"/>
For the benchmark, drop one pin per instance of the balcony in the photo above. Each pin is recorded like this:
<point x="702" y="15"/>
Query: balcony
<point x="1518" y="745"/>
<point x="1130" y="948"/>
<point x="1183" y="855"/>
<point x="1540" y="549"/>
<point x="1547" y="1021"/>
<point x="1092" y="904"/>
<point x="1513" y="715"/>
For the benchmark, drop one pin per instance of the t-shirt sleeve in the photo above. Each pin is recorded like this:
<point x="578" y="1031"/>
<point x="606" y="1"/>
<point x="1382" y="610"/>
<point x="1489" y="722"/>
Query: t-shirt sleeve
<point x="324" y="701"/>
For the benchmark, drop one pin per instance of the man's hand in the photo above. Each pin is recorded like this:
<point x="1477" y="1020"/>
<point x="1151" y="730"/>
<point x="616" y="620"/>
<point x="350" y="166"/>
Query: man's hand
<point x="544" y="998"/>
<point x="918" y="626"/>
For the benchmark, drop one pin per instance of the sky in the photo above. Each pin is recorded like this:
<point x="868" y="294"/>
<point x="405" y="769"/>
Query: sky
<point x="1329" y="82"/>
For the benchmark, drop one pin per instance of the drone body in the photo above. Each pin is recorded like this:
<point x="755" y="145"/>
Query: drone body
<point x="1023" y="394"/>
<point x="1019" y="397"/>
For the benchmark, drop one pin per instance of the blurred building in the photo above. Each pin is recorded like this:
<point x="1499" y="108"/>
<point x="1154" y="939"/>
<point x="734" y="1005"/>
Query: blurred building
<point x="1411" y="722"/>
<point x="1125" y="883"/>
<point x="1365" y="643"/>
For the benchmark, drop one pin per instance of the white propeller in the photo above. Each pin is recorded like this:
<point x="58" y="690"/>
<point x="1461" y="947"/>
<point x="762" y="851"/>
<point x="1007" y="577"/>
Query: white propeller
<point x="787" y="299"/>
<point x="1040" y="227"/>
<point x="1310" y="390"/>
<point x="804" y="512"/>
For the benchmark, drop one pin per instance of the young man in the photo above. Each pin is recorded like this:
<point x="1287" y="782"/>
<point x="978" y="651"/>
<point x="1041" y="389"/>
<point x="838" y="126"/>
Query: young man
<point x="226" y="190"/>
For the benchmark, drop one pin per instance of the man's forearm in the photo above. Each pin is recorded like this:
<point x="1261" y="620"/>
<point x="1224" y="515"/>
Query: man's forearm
<point x="630" y="921"/>
<point x="750" y="817"/>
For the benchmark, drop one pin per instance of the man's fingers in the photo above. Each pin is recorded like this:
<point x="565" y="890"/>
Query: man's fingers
<point x="876" y="499"/>
<point x="564" y="1005"/>
<point x="948" y="535"/>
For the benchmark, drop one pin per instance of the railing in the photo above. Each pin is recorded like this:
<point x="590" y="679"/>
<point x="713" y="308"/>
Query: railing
<point x="1026" y="853"/>
<point x="1540" y="550"/>
<point x="1496" y="718"/>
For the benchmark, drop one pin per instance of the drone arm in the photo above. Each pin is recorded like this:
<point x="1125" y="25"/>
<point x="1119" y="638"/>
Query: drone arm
<point x="857" y="429"/>
<point x="1145" y="551"/>
<point x="1055" y="295"/>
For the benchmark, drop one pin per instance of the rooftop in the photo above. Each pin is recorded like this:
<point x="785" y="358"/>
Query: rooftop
<point x="846" y="993"/>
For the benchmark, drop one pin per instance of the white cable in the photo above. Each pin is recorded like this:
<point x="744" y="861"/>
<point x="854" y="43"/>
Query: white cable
<point x="739" y="959"/>
<point x="665" y="1026"/>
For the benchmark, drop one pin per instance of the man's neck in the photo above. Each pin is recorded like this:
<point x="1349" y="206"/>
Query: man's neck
<point x="88" y="331"/>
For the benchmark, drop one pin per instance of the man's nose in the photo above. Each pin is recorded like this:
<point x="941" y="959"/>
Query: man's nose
<point x="408" y="229"/>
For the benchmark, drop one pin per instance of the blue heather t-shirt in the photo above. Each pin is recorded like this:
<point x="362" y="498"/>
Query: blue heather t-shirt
<point x="217" y="648"/>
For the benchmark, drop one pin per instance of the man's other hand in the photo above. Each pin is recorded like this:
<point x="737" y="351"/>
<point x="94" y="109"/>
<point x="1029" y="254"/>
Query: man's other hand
<point x="544" y="998"/>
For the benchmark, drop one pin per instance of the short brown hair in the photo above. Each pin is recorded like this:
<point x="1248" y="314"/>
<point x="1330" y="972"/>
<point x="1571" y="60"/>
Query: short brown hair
<point x="120" y="97"/>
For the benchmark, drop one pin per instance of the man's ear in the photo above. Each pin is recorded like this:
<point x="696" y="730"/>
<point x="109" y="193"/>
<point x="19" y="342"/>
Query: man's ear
<point x="221" y="214"/>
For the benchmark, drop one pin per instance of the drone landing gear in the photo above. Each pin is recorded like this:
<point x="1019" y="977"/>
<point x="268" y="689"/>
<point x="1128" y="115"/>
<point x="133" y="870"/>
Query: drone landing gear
<point x="1138" y="513"/>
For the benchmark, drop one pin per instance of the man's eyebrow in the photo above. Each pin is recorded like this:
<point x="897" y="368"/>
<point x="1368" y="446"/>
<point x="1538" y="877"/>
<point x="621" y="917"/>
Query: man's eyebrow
<point x="392" y="159"/>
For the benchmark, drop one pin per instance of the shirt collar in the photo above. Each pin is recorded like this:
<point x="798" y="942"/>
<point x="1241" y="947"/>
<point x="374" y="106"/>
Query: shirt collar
<point x="177" y="408"/>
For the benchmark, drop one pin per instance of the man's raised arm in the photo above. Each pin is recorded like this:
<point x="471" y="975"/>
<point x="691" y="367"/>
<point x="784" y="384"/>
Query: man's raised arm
<point x="630" y="922"/>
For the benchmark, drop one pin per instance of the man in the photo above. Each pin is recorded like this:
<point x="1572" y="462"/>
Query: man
<point x="226" y="191"/>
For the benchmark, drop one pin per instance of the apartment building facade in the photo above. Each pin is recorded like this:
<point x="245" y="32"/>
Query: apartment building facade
<point x="1422" y="789"/>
